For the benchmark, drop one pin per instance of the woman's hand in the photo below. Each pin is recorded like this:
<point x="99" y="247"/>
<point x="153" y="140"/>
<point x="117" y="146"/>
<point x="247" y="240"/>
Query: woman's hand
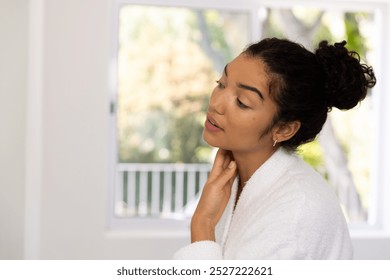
<point x="214" y="198"/>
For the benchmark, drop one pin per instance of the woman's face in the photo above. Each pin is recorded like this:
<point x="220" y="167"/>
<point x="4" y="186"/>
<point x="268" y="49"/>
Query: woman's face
<point x="241" y="111"/>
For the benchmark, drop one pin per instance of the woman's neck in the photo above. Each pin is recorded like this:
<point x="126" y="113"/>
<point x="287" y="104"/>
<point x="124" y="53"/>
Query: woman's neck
<point x="248" y="163"/>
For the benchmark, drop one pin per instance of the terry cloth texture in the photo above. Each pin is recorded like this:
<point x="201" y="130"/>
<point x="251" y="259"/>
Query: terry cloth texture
<point x="285" y="211"/>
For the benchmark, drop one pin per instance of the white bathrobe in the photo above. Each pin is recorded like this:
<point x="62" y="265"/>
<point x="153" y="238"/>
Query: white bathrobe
<point x="286" y="211"/>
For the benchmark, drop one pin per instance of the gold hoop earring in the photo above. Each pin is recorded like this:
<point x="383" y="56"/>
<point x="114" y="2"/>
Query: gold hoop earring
<point x="275" y="141"/>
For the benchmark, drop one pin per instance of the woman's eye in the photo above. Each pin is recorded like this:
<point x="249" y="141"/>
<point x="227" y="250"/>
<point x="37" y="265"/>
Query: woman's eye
<point x="241" y="105"/>
<point x="219" y="84"/>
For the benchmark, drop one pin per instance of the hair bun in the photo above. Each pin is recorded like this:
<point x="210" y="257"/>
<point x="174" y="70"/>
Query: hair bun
<point x="346" y="79"/>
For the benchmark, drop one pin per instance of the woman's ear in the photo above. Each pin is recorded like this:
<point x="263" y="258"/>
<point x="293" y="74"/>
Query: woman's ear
<point x="285" y="131"/>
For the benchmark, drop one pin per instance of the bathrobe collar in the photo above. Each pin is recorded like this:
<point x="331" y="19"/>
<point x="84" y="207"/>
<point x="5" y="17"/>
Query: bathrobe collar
<point x="260" y="183"/>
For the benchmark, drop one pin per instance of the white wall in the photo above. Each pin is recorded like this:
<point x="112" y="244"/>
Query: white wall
<point x="13" y="87"/>
<point x="371" y="248"/>
<point x="75" y="124"/>
<point x="66" y="175"/>
<point x="66" y="132"/>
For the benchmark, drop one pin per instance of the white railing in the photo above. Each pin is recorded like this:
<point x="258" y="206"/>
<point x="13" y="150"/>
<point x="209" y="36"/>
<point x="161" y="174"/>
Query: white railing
<point x="158" y="190"/>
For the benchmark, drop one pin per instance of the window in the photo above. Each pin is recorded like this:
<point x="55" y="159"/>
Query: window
<point x="167" y="59"/>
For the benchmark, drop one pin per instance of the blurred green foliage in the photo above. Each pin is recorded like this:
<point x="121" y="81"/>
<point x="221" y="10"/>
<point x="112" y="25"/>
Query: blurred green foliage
<point x="313" y="154"/>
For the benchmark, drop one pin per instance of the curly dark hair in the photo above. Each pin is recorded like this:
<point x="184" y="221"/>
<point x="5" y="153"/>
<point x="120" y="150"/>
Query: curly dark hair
<point x="306" y="85"/>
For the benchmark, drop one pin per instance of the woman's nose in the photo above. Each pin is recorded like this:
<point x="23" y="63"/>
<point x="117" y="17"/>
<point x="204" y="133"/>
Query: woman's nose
<point x="216" y="103"/>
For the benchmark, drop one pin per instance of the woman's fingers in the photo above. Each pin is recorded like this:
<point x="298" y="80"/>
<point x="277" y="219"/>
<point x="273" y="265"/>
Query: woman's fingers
<point x="217" y="190"/>
<point x="221" y="161"/>
<point x="226" y="178"/>
<point x="227" y="159"/>
<point x="215" y="196"/>
<point x="227" y="173"/>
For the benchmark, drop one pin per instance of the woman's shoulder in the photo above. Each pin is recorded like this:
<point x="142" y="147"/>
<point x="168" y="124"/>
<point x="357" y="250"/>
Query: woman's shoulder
<point x="297" y="208"/>
<point x="299" y="188"/>
<point x="303" y="181"/>
<point x="287" y="182"/>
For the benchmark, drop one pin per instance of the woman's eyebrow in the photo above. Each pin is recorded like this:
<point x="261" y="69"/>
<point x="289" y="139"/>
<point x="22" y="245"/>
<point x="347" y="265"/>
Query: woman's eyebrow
<point x="225" y="70"/>
<point x="255" y="90"/>
<point x="258" y="92"/>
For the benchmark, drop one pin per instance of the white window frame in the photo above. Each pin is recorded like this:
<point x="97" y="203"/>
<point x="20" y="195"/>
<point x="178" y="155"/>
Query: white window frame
<point x="378" y="224"/>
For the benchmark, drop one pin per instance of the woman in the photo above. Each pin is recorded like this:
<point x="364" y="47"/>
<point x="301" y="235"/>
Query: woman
<point x="260" y="200"/>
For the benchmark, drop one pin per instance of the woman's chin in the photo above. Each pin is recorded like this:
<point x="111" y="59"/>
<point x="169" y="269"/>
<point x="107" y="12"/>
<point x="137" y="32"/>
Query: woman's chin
<point x="211" y="142"/>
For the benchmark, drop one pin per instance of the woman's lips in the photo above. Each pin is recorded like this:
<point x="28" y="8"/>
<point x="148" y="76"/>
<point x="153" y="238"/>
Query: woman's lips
<point x="211" y="125"/>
